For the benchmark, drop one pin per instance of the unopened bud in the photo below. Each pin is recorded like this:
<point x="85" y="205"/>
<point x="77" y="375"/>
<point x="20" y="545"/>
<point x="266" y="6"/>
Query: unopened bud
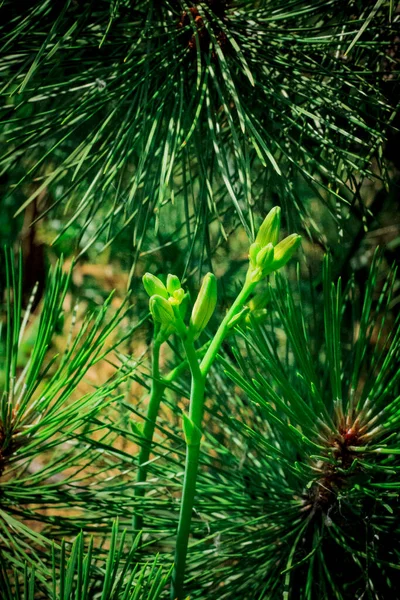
<point x="173" y="284"/>
<point x="137" y="428"/>
<point x="253" y="253"/>
<point x="259" y="300"/>
<point x="184" y="305"/>
<point x="265" y="257"/>
<point x="154" y="286"/>
<point x="161" y="311"/>
<point x="263" y="264"/>
<point x="285" y="250"/>
<point x="204" y="305"/>
<point x="177" y="297"/>
<point x="270" y="228"/>
<point x="237" y="318"/>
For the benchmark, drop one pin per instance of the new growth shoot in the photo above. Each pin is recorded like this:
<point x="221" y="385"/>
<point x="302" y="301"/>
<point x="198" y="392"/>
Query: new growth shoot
<point x="168" y="306"/>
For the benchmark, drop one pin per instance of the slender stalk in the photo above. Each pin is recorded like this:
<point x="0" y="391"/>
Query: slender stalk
<point x="177" y="371"/>
<point x="222" y="330"/>
<point x="196" y="410"/>
<point x="157" y="390"/>
<point x="188" y="494"/>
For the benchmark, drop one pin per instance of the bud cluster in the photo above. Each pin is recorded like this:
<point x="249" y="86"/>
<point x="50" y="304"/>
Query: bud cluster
<point x="168" y="304"/>
<point x="266" y="254"/>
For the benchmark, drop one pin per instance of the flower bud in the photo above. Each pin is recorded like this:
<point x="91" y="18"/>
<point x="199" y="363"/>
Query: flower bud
<point x="204" y="305"/>
<point x="137" y="428"/>
<point x="263" y="266"/>
<point x="259" y="316"/>
<point x="173" y="284"/>
<point x="154" y="286"/>
<point x="184" y="305"/>
<point x="253" y="253"/>
<point x="254" y="274"/>
<point x="161" y="311"/>
<point x="265" y="257"/>
<point x="259" y="301"/>
<point x="270" y="228"/>
<point x="238" y="318"/>
<point x="285" y="250"/>
<point x="177" y="297"/>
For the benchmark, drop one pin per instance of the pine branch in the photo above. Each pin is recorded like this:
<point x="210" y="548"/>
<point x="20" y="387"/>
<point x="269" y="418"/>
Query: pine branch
<point x="79" y="572"/>
<point x="257" y="96"/>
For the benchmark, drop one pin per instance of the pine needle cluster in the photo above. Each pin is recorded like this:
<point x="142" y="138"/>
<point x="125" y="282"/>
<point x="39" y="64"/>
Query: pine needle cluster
<point x="126" y="115"/>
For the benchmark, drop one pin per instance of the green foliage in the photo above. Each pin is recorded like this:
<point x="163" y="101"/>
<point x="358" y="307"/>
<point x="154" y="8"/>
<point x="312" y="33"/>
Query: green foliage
<point x="181" y="114"/>
<point x="81" y="575"/>
<point x="298" y="465"/>
<point x="52" y="440"/>
<point x="152" y="131"/>
<point x="305" y="500"/>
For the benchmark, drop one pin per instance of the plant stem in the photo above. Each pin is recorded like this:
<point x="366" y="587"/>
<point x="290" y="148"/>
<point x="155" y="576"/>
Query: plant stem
<point x="224" y="327"/>
<point x="188" y="494"/>
<point x="196" y="410"/>
<point x="177" y="371"/>
<point x="157" y="390"/>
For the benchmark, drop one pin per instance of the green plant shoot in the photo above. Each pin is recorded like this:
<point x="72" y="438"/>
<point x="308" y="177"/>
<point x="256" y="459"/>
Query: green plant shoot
<point x="266" y="255"/>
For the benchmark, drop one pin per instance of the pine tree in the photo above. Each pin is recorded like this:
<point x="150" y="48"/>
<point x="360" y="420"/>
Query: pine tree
<point x="232" y="434"/>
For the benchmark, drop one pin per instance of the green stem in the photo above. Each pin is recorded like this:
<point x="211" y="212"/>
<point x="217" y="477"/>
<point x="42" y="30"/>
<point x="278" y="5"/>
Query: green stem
<point x="196" y="410"/>
<point x="224" y="327"/>
<point x="188" y="494"/>
<point x="177" y="371"/>
<point x="157" y="390"/>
